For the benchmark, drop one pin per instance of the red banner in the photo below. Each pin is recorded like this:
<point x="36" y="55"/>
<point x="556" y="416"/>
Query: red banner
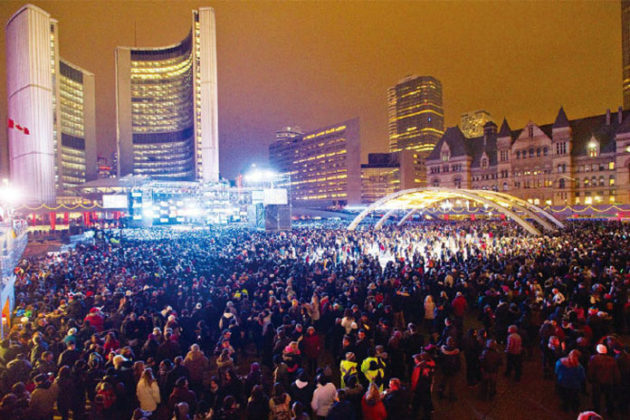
<point x="33" y="219"/>
<point x="86" y="218"/>
<point x="66" y="218"/>
<point x="52" y="217"/>
<point x="446" y="217"/>
<point x="473" y="217"/>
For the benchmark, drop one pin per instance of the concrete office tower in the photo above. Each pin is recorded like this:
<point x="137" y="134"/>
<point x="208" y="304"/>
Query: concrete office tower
<point x="52" y="140"/>
<point x="324" y="165"/>
<point x="416" y="118"/>
<point x="166" y="106"/>
<point x="30" y="103"/>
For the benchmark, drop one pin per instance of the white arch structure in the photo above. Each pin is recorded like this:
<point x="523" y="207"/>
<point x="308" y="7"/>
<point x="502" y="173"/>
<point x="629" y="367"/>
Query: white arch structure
<point x="416" y="199"/>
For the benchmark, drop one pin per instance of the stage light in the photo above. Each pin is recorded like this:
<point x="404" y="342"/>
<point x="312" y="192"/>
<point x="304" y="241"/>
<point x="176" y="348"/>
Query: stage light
<point x="10" y="194"/>
<point x="260" y="175"/>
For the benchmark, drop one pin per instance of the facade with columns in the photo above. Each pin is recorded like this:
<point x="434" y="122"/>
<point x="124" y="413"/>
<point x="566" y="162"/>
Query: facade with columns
<point x="569" y="162"/>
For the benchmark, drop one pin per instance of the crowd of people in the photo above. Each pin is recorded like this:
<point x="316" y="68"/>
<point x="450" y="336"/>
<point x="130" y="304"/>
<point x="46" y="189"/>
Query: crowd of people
<point x="317" y="322"/>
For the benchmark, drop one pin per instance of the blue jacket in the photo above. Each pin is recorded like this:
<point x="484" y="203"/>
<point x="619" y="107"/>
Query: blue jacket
<point x="570" y="377"/>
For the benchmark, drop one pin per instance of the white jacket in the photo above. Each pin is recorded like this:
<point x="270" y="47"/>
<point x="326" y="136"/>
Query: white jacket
<point x="148" y="395"/>
<point x="323" y="399"/>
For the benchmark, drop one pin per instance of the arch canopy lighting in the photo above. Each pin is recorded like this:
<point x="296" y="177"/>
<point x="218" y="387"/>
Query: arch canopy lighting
<point x="416" y="199"/>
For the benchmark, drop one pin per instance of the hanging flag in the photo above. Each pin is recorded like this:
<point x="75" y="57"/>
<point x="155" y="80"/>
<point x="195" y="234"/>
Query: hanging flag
<point x="52" y="216"/>
<point x="13" y="125"/>
<point x="66" y="218"/>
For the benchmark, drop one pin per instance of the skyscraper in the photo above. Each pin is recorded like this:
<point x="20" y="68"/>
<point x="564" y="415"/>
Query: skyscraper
<point x="625" y="44"/>
<point x="50" y="110"/>
<point x="416" y="118"/>
<point x="323" y="165"/>
<point x="166" y="106"/>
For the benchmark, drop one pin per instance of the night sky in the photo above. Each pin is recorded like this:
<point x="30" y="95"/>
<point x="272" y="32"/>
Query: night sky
<point x="317" y="63"/>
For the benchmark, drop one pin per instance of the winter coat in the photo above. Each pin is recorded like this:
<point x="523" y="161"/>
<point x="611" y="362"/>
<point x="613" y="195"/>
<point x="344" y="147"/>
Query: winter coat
<point x="373" y="410"/>
<point x="323" y="399"/>
<point x="396" y="405"/>
<point x="568" y="376"/>
<point x="197" y="364"/>
<point x="302" y="392"/>
<point x="312" y="346"/>
<point x="148" y="395"/>
<point x="490" y="361"/>
<point x="341" y="410"/>
<point x="43" y="400"/>
<point x="181" y="394"/>
<point x="451" y="362"/>
<point x="603" y="370"/>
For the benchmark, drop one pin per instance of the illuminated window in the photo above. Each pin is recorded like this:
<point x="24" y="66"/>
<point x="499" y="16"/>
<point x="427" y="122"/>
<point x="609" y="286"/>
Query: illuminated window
<point x="611" y="180"/>
<point x="611" y="165"/>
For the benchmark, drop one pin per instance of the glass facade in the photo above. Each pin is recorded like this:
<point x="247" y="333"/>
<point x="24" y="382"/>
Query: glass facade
<point x="162" y="112"/>
<point x="73" y="158"/>
<point x="416" y="118"/>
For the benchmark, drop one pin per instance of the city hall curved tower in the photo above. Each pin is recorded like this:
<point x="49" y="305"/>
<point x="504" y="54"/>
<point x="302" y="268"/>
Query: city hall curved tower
<point x="166" y="107"/>
<point x="51" y="111"/>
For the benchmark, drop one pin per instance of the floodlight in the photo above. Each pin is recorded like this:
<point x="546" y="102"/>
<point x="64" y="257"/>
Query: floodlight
<point x="9" y="194"/>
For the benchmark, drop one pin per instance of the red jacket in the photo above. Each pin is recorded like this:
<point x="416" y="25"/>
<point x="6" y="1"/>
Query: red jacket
<point x="459" y="306"/>
<point x="312" y="345"/>
<point x="373" y="411"/>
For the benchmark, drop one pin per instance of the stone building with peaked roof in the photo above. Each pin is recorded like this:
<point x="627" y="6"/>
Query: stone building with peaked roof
<point x="568" y="162"/>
